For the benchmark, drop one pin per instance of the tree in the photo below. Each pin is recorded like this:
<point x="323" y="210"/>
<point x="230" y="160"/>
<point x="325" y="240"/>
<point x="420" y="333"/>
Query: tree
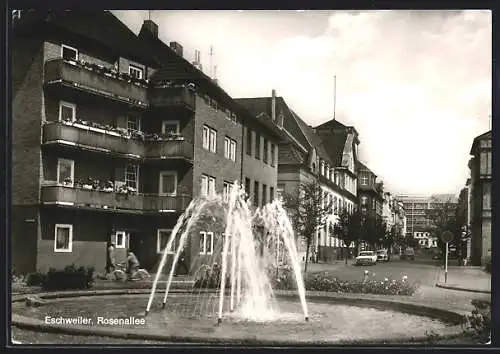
<point x="347" y="228"/>
<point x="309" y="210"/>
<point x="390" y="238"/>
<point x="446" y="217"/>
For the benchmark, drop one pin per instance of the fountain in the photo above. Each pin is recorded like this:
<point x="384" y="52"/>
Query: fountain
<point x="243" y="255"/>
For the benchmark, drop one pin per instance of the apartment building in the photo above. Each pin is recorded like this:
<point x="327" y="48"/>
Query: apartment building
<point x="417" y="210"/>
<point x="480" y="198"/>
<point x="113" y="135"/>
<point x="303" y="158"/>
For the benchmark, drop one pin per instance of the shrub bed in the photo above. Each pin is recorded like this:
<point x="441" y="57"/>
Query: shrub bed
<point x="70" y="277"/>
<point x="35" y="279"/>
<point x="284" y="279"/>
<point x="478" y="323"/>
<point x="326" y="282"/>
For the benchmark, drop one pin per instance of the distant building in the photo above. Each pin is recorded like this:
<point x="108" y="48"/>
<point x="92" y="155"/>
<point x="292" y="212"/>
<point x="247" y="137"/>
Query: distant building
<point x="370" y="193"/>
<point x="417" y="209"/>
<point x="480" y="198"/>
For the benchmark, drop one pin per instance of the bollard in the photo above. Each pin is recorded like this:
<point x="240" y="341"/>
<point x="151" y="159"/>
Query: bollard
<point x="219" y="320"/>
<point x="307" y="319"/>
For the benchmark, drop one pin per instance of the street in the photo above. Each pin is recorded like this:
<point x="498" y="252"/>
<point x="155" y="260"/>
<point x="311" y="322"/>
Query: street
<point x="423" y="270"/>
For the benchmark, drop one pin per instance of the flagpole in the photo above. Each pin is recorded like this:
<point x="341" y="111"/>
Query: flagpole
<point x="334" y="95"/>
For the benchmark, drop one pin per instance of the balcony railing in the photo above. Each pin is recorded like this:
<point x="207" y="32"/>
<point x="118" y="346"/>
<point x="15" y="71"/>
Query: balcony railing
<point x="168" y="148"/>
<point x="79" y="197"/>
<point x="59" y="70"/>
<point x="180" y="96"/>
<point x="112" y="142"/>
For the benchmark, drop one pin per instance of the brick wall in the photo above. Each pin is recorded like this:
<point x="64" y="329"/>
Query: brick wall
<point x="214" y="164"/>
<point x="26" y="123"/>
<point x="90" y="234"/>
<point x="53" y="51"/>
<point x="24" y="221"/>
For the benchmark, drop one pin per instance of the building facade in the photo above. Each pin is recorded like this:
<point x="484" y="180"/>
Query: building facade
<point x="370" y="193"/>
<point x="480" y="199"/>
<point x="303" y="158"/>
<point x="417" y="213"/>
<point x="113" y="135"/>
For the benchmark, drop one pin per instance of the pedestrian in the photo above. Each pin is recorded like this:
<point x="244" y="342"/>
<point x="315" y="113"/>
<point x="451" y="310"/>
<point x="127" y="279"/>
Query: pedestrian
<point x="181" y="262"/>
<point x="132" y="263"/>
<point x="110" y="257"/>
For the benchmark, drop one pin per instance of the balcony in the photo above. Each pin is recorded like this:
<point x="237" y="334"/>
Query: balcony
<point x="169" y="149"/>
<point x="89" y="138"/>
<point x="111" y="201"/>
<point x="82" y="77"/>
<point x="173" y="96"/>
<point x="111" y="142"/>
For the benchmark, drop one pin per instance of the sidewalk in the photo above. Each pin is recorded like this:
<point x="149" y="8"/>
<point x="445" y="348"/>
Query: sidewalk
<point x="472" y="279"/>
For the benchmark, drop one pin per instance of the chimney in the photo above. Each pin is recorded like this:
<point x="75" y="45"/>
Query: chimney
<point x="273" y="105"/>
<point x="150" y="27"/>
<point x="176" y="48"/>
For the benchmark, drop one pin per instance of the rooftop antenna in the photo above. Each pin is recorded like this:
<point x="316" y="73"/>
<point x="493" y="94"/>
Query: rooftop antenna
<point x="334" y="95"/>
<point x="215" y="73"/>
<point x="149" y="15"/>
<point x="211" y="54"/>
<point x="489" y="122"/>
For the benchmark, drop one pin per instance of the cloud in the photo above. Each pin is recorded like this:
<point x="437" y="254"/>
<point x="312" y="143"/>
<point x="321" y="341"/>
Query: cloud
<point x="415" y="84"/>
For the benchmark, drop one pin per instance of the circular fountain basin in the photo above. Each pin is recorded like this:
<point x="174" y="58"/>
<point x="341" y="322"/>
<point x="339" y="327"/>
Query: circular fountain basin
<point x="194" y="318"/>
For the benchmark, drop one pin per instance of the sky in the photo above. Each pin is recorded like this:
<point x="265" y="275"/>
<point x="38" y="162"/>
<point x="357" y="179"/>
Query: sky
<point x="416" y="85"/>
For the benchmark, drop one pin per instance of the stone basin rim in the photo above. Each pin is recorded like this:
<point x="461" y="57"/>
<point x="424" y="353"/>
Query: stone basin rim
<point x="446" y="315"/>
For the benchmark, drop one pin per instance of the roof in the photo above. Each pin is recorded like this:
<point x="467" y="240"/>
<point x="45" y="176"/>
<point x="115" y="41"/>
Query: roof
<point x="361" y="166"/>
<point x="293" y="124"/>
<point x="98" y="26"/>
<point x="175" y="67"/>
<point x="477" y="139"/>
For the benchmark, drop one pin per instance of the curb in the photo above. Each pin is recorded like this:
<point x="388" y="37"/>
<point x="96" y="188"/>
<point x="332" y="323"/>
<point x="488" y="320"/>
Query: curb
<point x="128" y="333"/>
<point x="453" y="287"/>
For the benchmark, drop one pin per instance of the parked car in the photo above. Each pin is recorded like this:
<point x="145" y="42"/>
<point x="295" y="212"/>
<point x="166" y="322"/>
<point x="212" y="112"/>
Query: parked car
<point x="366" y="257"/>
<point x="382" y="256"/>
<point x="409" y="253"/>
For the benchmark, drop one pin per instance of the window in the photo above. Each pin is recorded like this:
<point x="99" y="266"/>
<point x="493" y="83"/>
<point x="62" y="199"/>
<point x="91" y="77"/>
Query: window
<point x="66" y="172"/>
<point x="327" y="172"/>
<point x="272" y="154"/>
<point x="170" y="127"/>
<point x="364" y="200"/>
<point x="226" y="191"/>
<point x="136" y="72"/>
<point x="131" y="176"/>
<point x="69" y="53"/>
<point x="485" y="163"/>
<point x="67" y="112"/>
<point x="168" y="183"/>
<point x="207" y="185"/>
<point x="209" y="139"/>
<point x="364" y="180"/>
<point x="266" y="151"/>
<point x="206" y="242"/>
<point x="162" y="238"/>
<point x="63" y="241"/>
<point x="120" y="239"/>
<point x="229" y="149"/>
<point x="257" y="146"/>
<point x="133" y="123"/>
<point x="256" y="193"/>
<point x="247" y="186"/>
<point x="271" y="194"/>
<point x="16" y="14"/>
<point x="248" y="146"/>
<point x="335" y="205"/>
<point x="322" y="167"/>
<point x="487" y="196"/>
<point x="264" y="194"/>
